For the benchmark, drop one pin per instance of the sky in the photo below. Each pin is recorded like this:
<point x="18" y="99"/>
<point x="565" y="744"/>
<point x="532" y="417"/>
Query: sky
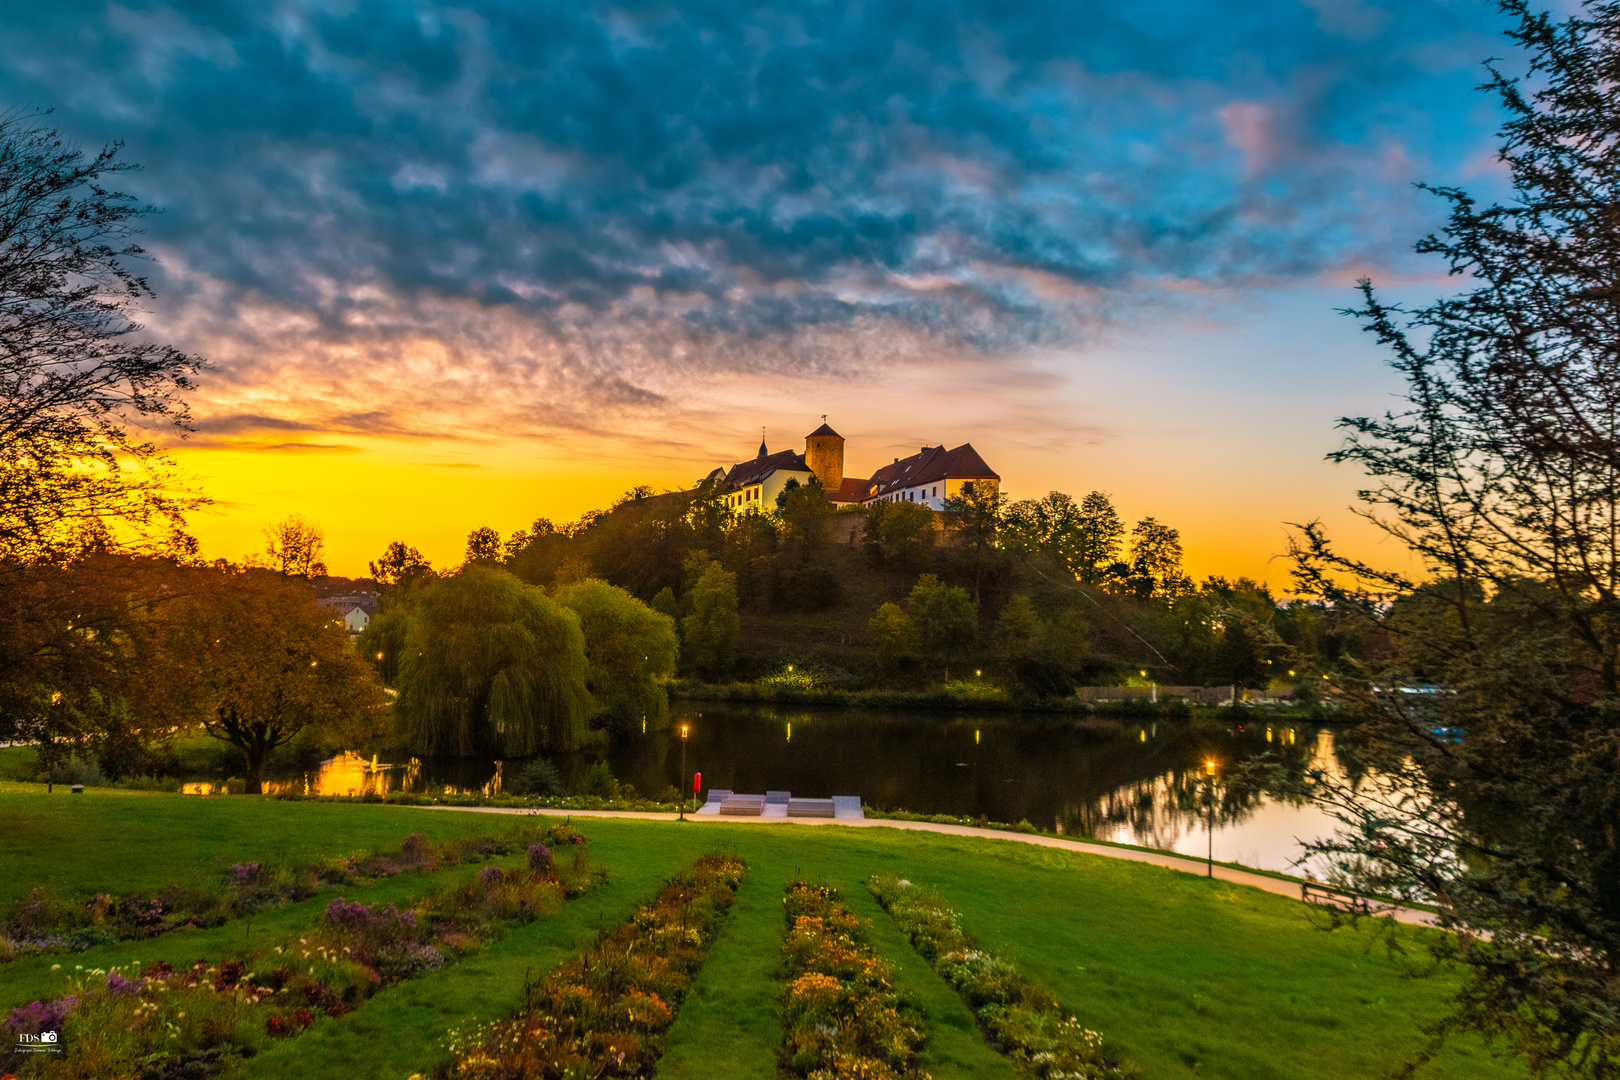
<point x="474" y="264"/>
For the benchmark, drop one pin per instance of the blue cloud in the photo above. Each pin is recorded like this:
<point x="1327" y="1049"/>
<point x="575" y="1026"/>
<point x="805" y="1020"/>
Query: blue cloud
<point x="712" y="177"/>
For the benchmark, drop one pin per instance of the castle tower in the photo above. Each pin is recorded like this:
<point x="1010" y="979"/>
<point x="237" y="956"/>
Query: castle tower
<point x="824" y="456"/>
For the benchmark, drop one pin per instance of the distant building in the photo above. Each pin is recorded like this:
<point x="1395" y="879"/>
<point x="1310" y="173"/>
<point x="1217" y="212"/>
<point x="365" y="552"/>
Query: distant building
<point x="930" y="476"/>
<point x="355" y="609"/>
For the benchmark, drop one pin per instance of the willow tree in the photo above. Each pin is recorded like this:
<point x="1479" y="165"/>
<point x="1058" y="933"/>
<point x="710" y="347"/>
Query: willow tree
<point x="490" y="666"/>
<point x="630" y="651"/>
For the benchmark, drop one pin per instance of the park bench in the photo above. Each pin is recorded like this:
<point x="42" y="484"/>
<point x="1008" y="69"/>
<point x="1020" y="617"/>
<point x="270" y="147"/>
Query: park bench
<point x="811" y="808"/>
<point x="717" y="796"/>
<point x="743" y="805"/>
<point x="778" y="798"/>
<point x="1312" y="893"/>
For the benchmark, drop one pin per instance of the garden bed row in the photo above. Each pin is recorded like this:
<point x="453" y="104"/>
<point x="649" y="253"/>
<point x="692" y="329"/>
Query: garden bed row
<point x="158" y="1023"/>
<point x="41" y="923"/>
<point x="606" y="1012"/>
<point x="1020" y="1020"/>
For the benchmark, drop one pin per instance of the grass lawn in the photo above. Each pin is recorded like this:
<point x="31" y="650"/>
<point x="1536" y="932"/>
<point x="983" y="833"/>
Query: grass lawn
<point x="1183" y="976"/>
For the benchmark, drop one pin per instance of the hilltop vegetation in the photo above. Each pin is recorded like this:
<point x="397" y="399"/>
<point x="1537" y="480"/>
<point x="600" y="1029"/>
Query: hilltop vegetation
<point x="1036" y="596"/>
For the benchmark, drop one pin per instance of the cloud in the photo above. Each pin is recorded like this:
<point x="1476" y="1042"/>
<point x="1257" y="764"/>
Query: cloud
<point x="419" y="221"/>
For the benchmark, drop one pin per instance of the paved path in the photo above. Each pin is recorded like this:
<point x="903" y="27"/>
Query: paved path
<point x="1279" y="886"/>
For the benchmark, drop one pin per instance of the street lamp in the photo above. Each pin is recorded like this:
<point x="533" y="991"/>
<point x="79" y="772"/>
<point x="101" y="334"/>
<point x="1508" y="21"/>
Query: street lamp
<point x="685" y="730"/>
<point x="1209" y="797"/>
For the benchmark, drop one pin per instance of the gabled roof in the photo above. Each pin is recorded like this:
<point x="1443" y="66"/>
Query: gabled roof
<point x="933" y="463"/>
<point x="752" y="472"/>
<point x="823" y="430"/>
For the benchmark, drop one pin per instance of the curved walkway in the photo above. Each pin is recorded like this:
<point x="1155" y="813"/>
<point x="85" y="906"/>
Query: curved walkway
<point x="1279" y="886"/>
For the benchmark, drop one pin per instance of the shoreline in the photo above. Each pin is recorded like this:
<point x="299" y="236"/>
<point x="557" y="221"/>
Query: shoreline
<point x="1276" y="885"/>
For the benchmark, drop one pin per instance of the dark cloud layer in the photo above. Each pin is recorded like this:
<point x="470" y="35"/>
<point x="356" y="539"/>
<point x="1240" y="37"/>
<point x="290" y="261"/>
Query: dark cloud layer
<point x="643" y="190"/>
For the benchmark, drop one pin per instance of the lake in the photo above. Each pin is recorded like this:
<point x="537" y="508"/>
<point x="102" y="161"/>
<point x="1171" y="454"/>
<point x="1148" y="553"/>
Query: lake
<point x="1125" y="781"/>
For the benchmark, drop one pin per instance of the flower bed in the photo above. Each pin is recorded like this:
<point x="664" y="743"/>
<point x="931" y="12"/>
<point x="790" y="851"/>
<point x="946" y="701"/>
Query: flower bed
<point x="605" y="1013"/>
<point x="42" y="924"/>
<point x="840" y="1014"/>
<point x="212" y="1014"/>
<point x="1021" y="1020"/>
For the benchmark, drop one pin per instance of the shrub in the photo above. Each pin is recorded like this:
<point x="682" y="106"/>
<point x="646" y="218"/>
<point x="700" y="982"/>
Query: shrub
<point x="1022" y="1020"/>
<point x="840" y="1014"/>
<point x="539" y="858"/>
<point x="599" y="781"/>
<point x="538" y="777"/>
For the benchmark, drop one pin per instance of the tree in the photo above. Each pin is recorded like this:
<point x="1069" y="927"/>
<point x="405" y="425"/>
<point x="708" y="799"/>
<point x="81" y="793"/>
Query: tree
<point x="709" y="631"/>
<point x="894" y="639"/>
<point x="806" y="516"/>
<point x="630" y="649"/>
<point x="1500" y="476"/>
<point x="1156" y="561"/>
<point x="898" y="534"/>
<point x="974" y="517"/>
<point x="483" y="546"/>
<point x="267" y="663"/>
<point x="493" y="667"/>
<point x="946" y="623"/>
<point x="84" y="661"/>
<point x="294" y="547"/>
<point x="1101" y="533"/>
<point x="74" y="376"/>
<point x="400" y="565"/>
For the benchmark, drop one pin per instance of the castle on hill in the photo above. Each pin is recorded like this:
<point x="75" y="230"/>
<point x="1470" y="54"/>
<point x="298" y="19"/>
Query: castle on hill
<point x="930" y="476"/>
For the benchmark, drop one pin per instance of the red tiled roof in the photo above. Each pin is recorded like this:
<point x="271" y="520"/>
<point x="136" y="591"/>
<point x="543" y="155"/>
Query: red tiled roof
<point x="933" y="463"/>
<point x="851" y="490"/>
<point x="752" y="472"/>
<point x="824" y="430"/>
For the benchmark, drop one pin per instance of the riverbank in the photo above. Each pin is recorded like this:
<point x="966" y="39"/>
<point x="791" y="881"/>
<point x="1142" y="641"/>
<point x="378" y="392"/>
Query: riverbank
<point x="1184" y="976"/>
<point x="970" y="696"/>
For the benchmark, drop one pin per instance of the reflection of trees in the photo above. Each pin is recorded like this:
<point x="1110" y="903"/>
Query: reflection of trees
<point x="1174" y="797"/>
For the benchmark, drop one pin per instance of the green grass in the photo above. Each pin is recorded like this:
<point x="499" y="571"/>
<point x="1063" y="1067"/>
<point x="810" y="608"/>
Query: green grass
<point x="1184" y="976"/>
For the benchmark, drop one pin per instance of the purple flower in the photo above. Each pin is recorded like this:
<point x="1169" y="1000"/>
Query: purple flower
<point x="245" y="872"/>
<point x="119" y="986"/>
<point x="37" y="1017"/>
<point x="539" y="857"/>
<point x="350" y="914"/>
<point x="353" y="915"/>
<point x="490" y="875"/>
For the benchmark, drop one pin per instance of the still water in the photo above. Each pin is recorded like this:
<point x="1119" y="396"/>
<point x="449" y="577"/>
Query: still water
<point x="1137" y="783"/>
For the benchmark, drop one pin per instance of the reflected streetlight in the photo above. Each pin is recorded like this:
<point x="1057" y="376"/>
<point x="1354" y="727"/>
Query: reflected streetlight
<point x="1209" y="798"/>
<point x="685" y="730"/>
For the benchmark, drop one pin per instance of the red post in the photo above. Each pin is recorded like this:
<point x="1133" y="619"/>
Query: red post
<point x="697" y="784"/>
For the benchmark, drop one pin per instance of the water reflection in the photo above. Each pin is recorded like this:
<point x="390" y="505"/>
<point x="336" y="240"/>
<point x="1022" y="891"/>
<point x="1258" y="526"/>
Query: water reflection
<point x="346" y="774"/>
<point x="1139" y="783"/>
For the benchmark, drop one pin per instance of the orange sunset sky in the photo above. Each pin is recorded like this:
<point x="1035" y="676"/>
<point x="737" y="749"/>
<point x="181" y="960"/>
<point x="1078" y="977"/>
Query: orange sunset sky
<point x="1217" y="427"/>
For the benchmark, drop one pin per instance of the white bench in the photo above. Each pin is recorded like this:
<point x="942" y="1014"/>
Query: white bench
<point x="811" y="808"/>
<point x="743" y="805"/>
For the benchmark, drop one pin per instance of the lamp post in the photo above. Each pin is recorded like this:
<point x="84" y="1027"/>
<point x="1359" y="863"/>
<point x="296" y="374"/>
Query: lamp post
<point x="685" y="729"/>
<point x="1209" y="798"/>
